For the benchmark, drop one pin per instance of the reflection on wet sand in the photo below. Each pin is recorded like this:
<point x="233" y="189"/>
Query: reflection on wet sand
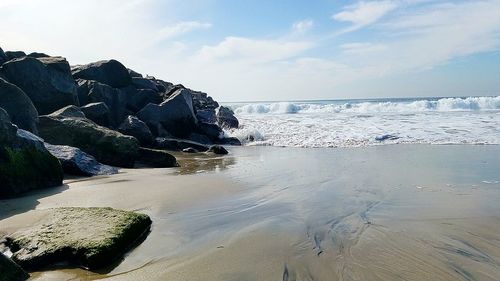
<point x="202" y="162"/>
<point x="404" y="212"/>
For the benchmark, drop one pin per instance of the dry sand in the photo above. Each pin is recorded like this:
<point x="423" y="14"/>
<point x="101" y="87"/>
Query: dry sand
<point x="404" y="212"/>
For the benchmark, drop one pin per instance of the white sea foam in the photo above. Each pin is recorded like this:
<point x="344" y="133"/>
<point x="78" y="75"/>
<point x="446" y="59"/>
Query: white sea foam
<point x="473" y="120"/>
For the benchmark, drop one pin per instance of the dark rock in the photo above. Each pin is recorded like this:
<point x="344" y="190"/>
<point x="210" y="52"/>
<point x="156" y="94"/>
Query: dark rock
<point x="76" y="162"/>
<point x="175" y="114"/>
<point x="178" y="145"/>
<point x="38" y="55"/>
<point x="226" y="119"/>
<point x="218" y="149"/>
<point x="89" y="237"/>
<point x="68" y="111"/>
<point x="25" y="164"/>
<point x="109" y="72"/>
<point x="190" y="150"/>
<point x="212" y="131"/>
<point x="115" y="99"/>
<point x="107" y="146"/>
<point x="201" y="101"/>
<point x="46" y="81"/>
<point x="14" y="54"/>
<point x="19" y="106"/>
<point x="155" y="158"/>
<point x="3" y="57"/>
<point x="134" y="74"/>
<point x="386" y="137"/>
<point x="138" y="99"/>
<point x="206" y="115"/>
<point x="10" y="271"/>
<point x="199" y="138"/>
<point x="97" y="112"/>
<point x="143" y="83"/>
<point x="132" y="126"/>
<point x="230" y="141"/>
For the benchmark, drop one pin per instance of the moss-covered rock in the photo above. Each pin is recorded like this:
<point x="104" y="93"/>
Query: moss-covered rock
<point x="88" y="237"/>
<point x="10" y="271"/>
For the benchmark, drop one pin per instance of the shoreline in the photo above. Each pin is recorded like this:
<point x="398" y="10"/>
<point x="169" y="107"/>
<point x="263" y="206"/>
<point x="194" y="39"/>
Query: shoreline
<point x="251" y="217"/>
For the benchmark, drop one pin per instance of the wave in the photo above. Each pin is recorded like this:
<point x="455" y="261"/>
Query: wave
<point x="440" y="105"/>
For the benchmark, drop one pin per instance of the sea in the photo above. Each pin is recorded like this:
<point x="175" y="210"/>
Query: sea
<point x="367" y="122"/>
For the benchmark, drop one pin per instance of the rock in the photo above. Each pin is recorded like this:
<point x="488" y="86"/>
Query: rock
<point x="68" y="111"/>
<point x="109" y="72"/>
<point x="229" y="141"/>
<point x="132" y="126"/>
<point x="201" y="101"/>
<point x="10" y="271"/>
<point x="226" y="119"/>
<point x="107" y="146"/>
<point x="212" y="131"/>
<point x="386" y="137"/>
<point x="89" y="237"/>
<point x="175" y="114"/>
<point x="3" y="57"/>
<point x="156" y="158"/>
<point x="25" y="164"/>
<point x="143" y="83"/>
<point x="38" y="55"/>
<point x="97" y="112"/>
<point x="218" y="149"/>
<point x="178" y="145"/>
<point x="46" y="81"/>
<point x="138" y="99"/>
<point x="190" y="150"/>
<point x="134" y="74"/>
<point x="115" y="99"/>
<point x="206" y="116"/>
<point x="19" y="106"/>
<point x="199" y="138"/>
<point x="14" y="55"/>
<point x="76" y="162"/>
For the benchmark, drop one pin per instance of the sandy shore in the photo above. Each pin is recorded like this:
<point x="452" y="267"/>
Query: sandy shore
<point x="402" y="212"/>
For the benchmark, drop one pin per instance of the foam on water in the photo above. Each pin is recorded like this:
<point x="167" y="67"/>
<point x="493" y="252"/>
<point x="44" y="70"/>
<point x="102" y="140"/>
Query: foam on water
<point x="472" y="120"/>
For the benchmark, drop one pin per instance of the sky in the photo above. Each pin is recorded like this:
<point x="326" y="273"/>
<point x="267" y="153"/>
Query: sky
<point x="256" y="50"/>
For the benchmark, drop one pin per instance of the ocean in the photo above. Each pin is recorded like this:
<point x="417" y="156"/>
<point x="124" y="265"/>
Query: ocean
<point x="354" y="123"/>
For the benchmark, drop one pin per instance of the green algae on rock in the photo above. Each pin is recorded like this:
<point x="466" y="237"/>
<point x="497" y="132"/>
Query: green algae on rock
<point x="89" y="237"/>
<point x="10" y="271"/>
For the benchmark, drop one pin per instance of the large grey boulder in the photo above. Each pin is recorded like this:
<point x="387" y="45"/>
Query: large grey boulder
<point x="46" y="81"/>
<point x="89" y="237"/>
<point x="115" y="99"/>
<point x="132" y="126"/>
<point x="175" y="114"/>
<point x="178" y="144"/>
<point x="25" y="164"/>
<point x="226" y="119"/>
<point x="155" y="158"/>
<point x="107" y="146"/>
<point x="212" y="131"/>
<point x="76" y="162"/>
<point x="11" y="271"/>
<point x="68" y="111"/>
<point x="138" y="98"/>
<point x="19" y="106"/>
<point x="97" y="112"/>
<point x="109" y="72"/>
<point x="144" y="83"/>
<point x="3" y="57"/>
<point x="14" y="54"/>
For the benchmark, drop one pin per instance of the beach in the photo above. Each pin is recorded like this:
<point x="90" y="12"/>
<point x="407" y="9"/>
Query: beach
<point x="391" y="212"/>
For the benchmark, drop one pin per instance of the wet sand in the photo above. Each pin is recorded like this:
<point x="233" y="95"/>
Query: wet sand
<point x="401" y="212"/>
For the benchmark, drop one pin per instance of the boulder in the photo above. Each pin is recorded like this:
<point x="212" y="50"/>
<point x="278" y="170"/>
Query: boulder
<point x="206" y="115"/>
<point x="226" y="119"/>
<point x="144" y="83"/>
<point x="14" y="54"/>
<point x="89" y="237"/>
<point x="190" y="150"/>
<point x="11" y="271"/>
<point x="137" y="99"/>
<point x="212" y="131"/>
<point x="155" y="158"/>
<point x="109" y="72"/>
<point x="68" y="111"/>
<point x="229" y="141"/>
<point x="199" y="138"/>
<point x="46" y="81"/>
<point x="3" y="57"/>
<point x="218" y="149"/>
<point x="19" y="106"/>
<point x="97" y="112"/>
<point x="107" y="146"/>
<point x="25" y="164"/>
<point x="132" y="126"/>
<point x="76" y="162"/>
<point x="134" y="74"/>
<point x="38" y="55"/>
<point x="175" y="114"/>
<point x="115" y="99"/>
<point x="178" y="145"/>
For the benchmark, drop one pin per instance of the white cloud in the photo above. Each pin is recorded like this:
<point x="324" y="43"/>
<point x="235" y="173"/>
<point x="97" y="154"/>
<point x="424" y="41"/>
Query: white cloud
<point x="302" y="26"/>
<point x="176" y="29"/>
<point x="364" y="13"/>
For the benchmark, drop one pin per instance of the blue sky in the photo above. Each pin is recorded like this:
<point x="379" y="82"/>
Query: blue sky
<point x="275" y="50"/>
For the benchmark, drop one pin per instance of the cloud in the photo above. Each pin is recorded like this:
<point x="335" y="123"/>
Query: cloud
<point x="176" y="29"/>
<point x="364" y="13"/>
<point x="302" y="26"/>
